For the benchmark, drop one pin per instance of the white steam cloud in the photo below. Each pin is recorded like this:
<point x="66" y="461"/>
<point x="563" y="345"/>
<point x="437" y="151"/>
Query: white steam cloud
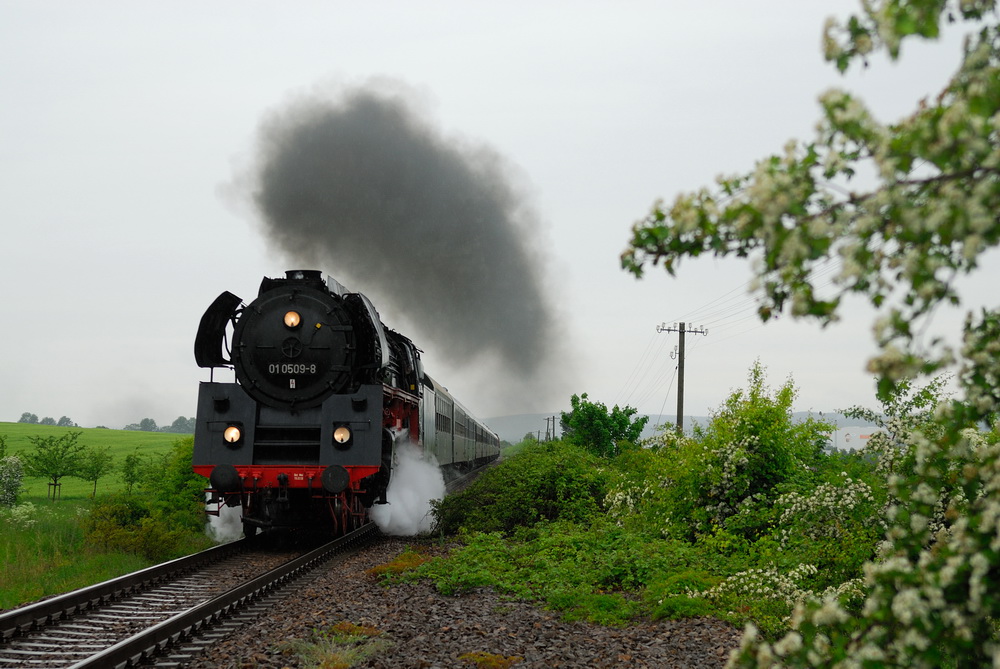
<point x="414" y="484"/>
<point x="227" y="526"/>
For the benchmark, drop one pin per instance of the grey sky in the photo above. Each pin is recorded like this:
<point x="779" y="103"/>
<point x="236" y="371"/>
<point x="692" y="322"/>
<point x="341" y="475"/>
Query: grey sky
<point x="127" y="131"/>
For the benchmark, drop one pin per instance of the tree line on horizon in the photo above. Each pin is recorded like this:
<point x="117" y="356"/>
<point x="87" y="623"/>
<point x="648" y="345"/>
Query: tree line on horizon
<point x="181" y="425"/>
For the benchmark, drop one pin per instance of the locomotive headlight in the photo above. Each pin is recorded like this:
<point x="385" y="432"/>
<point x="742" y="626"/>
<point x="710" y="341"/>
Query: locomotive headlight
<point x="233" y="435"/>
<point x="292" y="320"/>
<point x="342" y="435"/>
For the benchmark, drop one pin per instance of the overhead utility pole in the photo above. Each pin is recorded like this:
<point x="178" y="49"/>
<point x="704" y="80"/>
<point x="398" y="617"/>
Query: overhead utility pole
<point x="680" y="329"/>
<point x="550" y="435"/>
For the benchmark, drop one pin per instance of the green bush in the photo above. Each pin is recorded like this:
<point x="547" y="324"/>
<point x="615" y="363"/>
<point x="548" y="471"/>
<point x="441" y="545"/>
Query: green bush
<point x="591" y="426"/>
<point x="165" y="520"/>
<point x="544" y="481"/>
<point x="750" y="449"/>
<point x="127" y="524"/>
<point x="645" y="532"/>
<point x="620" y="537"/>
<point x="669" y="595"/>
<point x="835" y="526"/>
<point x="176" y="491"/>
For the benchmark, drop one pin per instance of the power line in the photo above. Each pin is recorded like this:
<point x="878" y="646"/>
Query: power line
<point x="730" y="315"/>
<point x="641" y="364"/>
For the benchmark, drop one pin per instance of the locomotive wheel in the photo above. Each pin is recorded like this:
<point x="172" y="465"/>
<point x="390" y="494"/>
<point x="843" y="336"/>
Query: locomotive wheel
<point x="249" y="530"/>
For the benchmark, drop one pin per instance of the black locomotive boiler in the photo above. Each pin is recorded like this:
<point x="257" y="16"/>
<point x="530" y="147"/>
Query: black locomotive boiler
<point x="306" y="434"/>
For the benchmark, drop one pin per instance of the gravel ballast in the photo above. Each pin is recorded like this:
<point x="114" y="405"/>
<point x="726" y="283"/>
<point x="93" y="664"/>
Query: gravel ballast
<point x="422" y="628"/>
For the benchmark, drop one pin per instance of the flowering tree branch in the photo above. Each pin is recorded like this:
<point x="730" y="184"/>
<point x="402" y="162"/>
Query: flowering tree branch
<point x="934" y="210"/>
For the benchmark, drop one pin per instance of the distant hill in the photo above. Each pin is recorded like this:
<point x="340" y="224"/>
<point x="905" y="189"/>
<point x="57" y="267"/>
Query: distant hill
<point x="513" y="428"/>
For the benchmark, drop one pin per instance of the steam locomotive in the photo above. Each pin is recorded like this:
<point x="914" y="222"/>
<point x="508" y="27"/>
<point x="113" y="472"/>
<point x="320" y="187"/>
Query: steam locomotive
<point x="306" y="436"/>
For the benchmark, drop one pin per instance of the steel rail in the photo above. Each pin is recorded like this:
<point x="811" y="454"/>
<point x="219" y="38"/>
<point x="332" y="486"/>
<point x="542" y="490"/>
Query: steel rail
<point x="460" y="482"/>
<point x="33" y="616"/>
<point x="148" y="643"/>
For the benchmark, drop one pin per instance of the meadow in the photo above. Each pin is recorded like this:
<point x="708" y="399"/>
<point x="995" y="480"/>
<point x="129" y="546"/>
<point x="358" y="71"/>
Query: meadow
<point x="43" y="552"/>
<point x="52" y="546"/>
<point x="119" y="442"/>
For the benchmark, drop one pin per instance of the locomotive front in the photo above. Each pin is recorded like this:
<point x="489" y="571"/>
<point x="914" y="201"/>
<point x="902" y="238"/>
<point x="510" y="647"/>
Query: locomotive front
<point x="294" y="346"/>
<point x="304" y="435"/>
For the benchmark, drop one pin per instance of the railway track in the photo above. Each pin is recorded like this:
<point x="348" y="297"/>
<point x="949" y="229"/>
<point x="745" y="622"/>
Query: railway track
<point x="129" y="620"/>
<point x="164" y="614"/>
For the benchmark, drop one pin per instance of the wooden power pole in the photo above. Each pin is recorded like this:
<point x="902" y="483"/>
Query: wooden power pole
<point x="681" y="330"/>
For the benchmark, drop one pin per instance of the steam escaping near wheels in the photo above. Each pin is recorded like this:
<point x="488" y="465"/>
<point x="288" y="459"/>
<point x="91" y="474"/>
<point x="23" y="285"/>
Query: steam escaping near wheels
<point x="227" y="526"/>
<point x="415" y="483"/>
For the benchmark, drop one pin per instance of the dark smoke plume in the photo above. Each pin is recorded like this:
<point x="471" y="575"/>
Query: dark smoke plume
<point x="361" y="187"/>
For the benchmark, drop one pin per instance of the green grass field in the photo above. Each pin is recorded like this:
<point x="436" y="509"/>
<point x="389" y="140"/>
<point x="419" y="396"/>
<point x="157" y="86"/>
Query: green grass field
<point x="43" y="549"/>
<point x="120" y="443"/>
<point x="42" y="552"/>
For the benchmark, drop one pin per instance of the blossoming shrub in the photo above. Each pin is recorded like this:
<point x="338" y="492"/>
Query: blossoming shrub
<point x="769" y="593"/>
<point x="834" y="527"/>
<point x="11" y="476"/>
<point x="908" y="409"/>
<point x="639" y="494"/>
<point x="730" y="472"/>
<point x="932" y="596"/>
<point x="798" y="531"/>
<point x="21" y="516"/>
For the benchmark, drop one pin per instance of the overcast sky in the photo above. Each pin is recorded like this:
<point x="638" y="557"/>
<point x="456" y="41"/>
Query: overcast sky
<point x="126" y="130"/>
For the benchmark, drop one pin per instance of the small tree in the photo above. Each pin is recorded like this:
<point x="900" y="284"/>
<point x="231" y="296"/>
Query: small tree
<point x="144" y="425"/>
<point x="66" y="421"/>
<point x="28" y="417"/>
<point x="54" y="457"/>
<point x="132" y="470"/>
<point x="179" y="492"/>
<point x="95" y="463"/>
<point x="181" y="425"/>
<point x="48" y="420"/>
<point x="593" y="427"/>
